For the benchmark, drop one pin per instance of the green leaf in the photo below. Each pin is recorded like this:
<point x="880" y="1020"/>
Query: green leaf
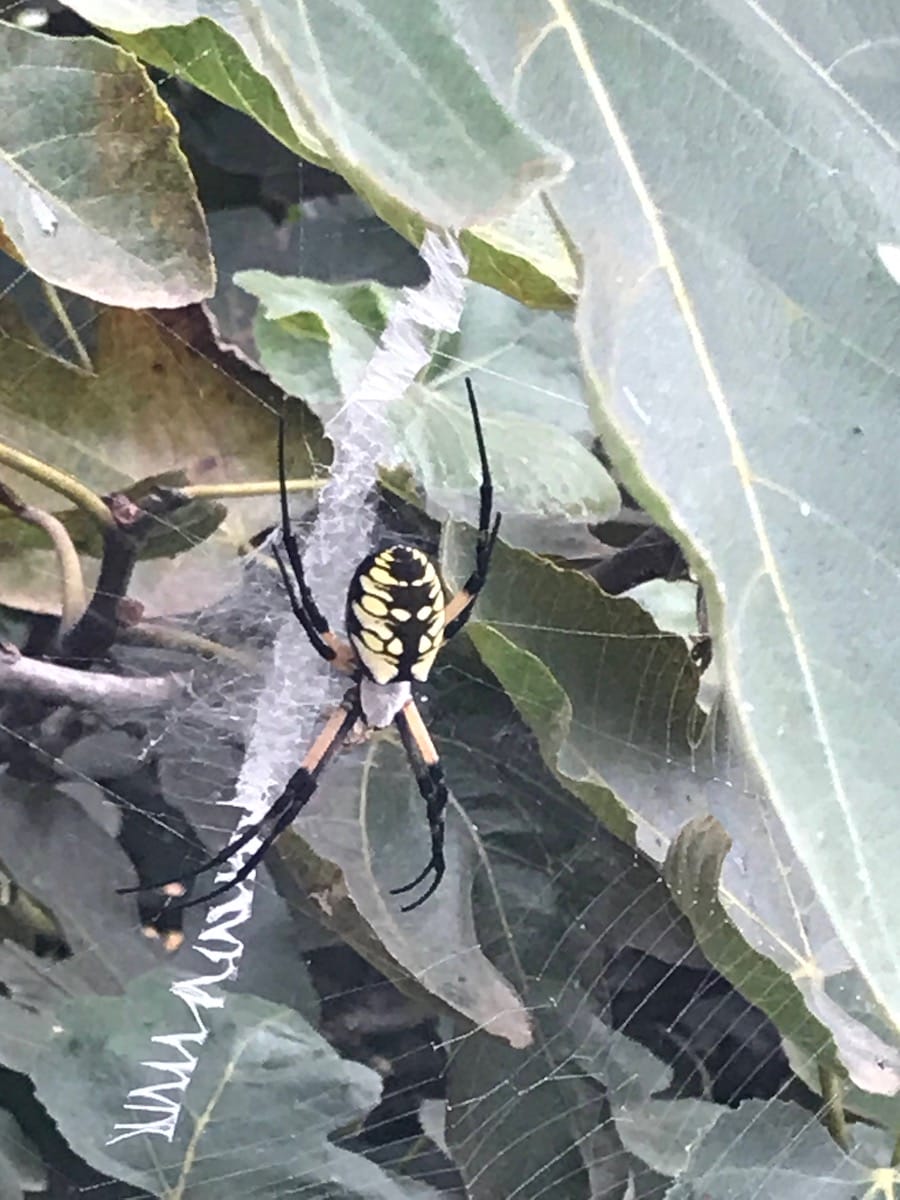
<point x="39" y="825"/>
<point x="563" y="1106"/>
<point x="612" y="702"/>
<point x="95" y="194"/>
<point x="318" y="79"/>
<point x="771" y="1149"/>
<point x="538" y="470"/>
<point x="657" y="1131"/>
<point x="692" y="870"/>
<point x="315" y="340"/>
<point x="22" y="1032"/>
<point x="154" y="405"/>
<point x="522" y="361"/>
<point x="747" y="396"/>
<point x="517" y="1130"/>
<point x="846" y="989"/>
<point x="661" y="1132"/>
<point x="21" y="1168"/>
<point x="267" y="1093"/>
<point x="366" y="831"/>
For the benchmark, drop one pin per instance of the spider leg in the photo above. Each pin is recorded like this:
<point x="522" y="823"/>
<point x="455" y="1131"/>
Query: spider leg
<point x="305" y="609"/>
<point x="318" y="643"/>
<point x="459" y="608"/>
<point x="297" y="793"/>
<point x="216" y="861"/>
<point x="429" y="774"/>
<point x="255" y="858"/>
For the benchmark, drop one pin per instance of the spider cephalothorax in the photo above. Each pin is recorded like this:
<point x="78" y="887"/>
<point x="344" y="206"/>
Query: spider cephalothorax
<point x="397" y="619"/>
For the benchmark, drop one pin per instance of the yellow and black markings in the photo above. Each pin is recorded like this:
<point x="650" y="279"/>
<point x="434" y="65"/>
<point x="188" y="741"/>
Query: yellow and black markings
<point x="395" y="614"/>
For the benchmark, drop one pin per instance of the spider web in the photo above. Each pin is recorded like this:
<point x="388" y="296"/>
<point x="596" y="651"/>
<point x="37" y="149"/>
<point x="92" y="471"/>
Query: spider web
<point x="564" y="1037"/>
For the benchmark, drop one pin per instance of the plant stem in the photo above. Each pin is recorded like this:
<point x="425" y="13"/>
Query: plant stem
<point x="74" y="598"/>
<point x="58" y="481"/>
<point x="224" y="491"/>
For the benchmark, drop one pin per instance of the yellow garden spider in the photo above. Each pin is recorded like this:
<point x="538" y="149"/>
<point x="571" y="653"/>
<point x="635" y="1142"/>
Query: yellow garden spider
<point x="397" y="619"/>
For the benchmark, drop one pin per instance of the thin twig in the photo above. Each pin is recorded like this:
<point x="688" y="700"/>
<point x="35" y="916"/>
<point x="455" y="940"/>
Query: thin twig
<point x="170" y="637"/>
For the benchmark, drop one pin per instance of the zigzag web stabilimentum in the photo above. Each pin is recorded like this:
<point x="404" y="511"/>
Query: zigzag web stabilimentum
<point x="300" y="685"/>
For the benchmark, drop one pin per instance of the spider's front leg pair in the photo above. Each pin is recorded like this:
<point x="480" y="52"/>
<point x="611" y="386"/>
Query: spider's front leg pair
<point x="460" y="607"/>
<point x="323" y="640"/>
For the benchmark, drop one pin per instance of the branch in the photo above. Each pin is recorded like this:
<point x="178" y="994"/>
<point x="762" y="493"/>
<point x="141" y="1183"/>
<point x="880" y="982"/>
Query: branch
<point x="654" y="554"/>
<point x="47" y="681"/>
<point x="95" y="633"/>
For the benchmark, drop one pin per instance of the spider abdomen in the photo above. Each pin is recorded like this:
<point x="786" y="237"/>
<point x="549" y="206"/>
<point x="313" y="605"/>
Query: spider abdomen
<point x="395" y="614"/>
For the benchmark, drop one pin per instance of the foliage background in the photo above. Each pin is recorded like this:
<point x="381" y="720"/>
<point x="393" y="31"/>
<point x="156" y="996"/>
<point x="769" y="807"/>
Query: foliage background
<point x="681" y="230"/>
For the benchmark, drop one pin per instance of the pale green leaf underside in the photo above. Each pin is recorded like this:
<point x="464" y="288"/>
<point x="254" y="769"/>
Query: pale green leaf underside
<point x="318" y="75"/>
<point x="741" y="333"/>
<point x="95" y="193"/>
<point x="315" y="339"/>
<point x="612" y="702"/>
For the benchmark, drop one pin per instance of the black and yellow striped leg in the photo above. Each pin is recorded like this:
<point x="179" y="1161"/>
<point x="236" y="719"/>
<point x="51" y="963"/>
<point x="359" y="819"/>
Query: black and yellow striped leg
<point x="459" y="608"/>
<point x="429" y="774"/>
<point x="296" y="795"/>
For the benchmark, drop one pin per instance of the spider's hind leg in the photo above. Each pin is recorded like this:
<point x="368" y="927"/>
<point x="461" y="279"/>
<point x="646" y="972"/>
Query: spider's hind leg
<point x="297" y="793"/>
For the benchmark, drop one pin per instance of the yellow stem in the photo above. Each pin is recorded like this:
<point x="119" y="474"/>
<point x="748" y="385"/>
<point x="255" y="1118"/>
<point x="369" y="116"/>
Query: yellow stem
<point x="58" y="481"/>
<point x="74" y="596"/>
<point x="170" y="637"/>
<point x="224" y="491"/>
